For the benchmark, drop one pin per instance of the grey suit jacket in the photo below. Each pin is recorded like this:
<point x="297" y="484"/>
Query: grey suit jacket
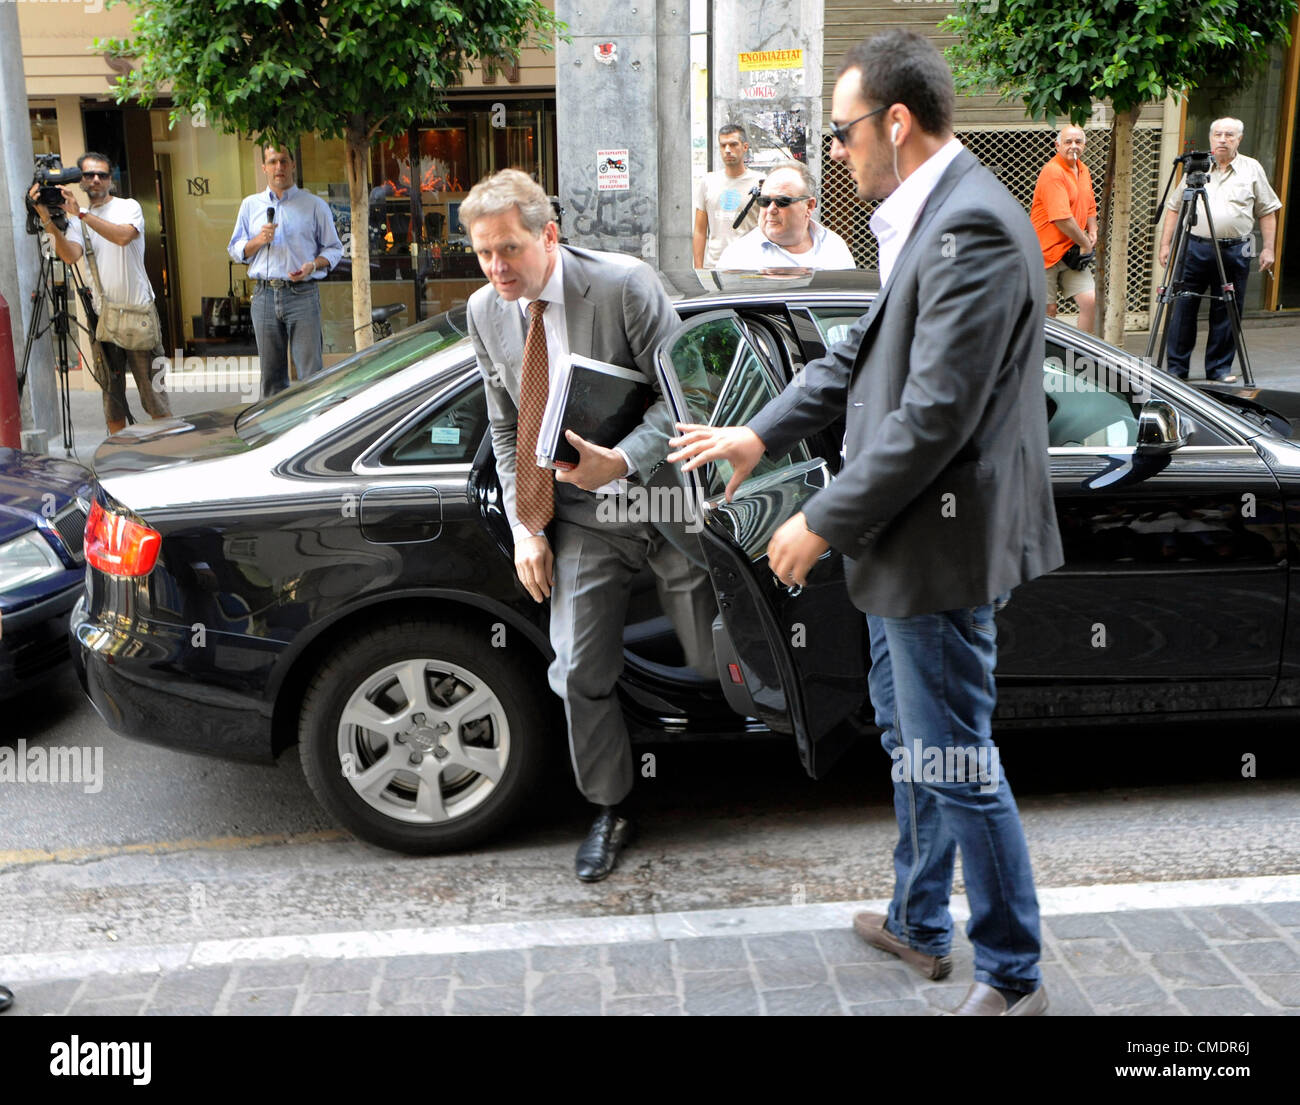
<point x="945" y="498"/>
<point x="615" y="310"/>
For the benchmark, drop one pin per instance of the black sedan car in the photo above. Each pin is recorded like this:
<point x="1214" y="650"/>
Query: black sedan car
<point x="332" y="567"/>
<point x="41" y="564"/>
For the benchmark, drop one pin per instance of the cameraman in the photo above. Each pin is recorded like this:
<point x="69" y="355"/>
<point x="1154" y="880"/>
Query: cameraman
<point x="116" y="229"/>
<point x="1064" y="214"/>
<point x="1239" y="193"/>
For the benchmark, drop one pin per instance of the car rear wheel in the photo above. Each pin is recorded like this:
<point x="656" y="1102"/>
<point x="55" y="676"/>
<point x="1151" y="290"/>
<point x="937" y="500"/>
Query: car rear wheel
<point x="422" y="737"/>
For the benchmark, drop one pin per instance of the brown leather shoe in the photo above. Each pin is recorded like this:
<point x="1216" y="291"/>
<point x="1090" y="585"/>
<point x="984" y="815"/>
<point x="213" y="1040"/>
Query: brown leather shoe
<point x="982" y="1000"/>
<point x="871" y="927"/>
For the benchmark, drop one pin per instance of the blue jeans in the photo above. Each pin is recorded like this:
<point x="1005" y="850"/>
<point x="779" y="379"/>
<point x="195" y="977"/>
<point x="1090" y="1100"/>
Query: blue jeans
<point x="1201" y="273"/>
<point x="932" y="688"/>
<point x="287" y="320"/>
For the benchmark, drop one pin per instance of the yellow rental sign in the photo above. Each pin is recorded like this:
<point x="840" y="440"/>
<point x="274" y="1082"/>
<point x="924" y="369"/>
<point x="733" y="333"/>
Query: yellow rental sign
<point x="771" y="59"/>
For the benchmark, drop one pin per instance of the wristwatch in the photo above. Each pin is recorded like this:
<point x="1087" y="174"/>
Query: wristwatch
<point x="82" y="212"/>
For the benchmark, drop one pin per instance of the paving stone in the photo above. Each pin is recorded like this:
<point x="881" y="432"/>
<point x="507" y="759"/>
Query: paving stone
<point x="1081" y="926"/>
<point x="340" y="976"/>
<point x="419" y="966"/>
<point x="1156" y="1009"/>
<point x="719" y="993"/>
<point x="337" y="1004"/>
<point x="200" y="986"/>
<point x="565" y="958"/>
<point x="413" y="1009"/>
<point x="1232" y="923"/>
<point x="1122" y="990"/>
<point x="782" y="945"/>
<point x="913" y="1008"/>
<point x="99" y="987"/>
<point x="505" y="968"/>
<point x="488" y="1001"/>
<point x="109" y="1007"/>
<point x="262" y="1003"/>
<point x="845" y="946"/>
<point x="872" y="982"/>
<point x="413" y="991"/>
<point x="1196" y="968"/>
<point x="178" y="1009"/>
<point x="781" y="974"/>
<point x="1099" y="957"/>
<point x="810" y="1001"/>
<point x="1158" y="930"/>
<point x="567" y="995"/>
<point x="1286" y="914"/>
<point x="641" y="968"/>
<point x="1263" y="957"/>
<point x="35" y="999"/>
<point x="1064" y="998"/>
<point x="1283" y="989"/>
<point x="711" y="953"/>
<point x="270" y="976"/>
<point x="1222" y="1001"/>
<point x="661" y="1006"/>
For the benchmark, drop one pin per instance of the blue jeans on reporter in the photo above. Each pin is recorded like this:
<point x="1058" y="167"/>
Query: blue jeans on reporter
<point x="287" y="320"/>
<point x="932" y="688"/>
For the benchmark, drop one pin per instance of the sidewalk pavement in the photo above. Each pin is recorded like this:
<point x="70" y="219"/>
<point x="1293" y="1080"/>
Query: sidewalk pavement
<point x="1134" y="950"/>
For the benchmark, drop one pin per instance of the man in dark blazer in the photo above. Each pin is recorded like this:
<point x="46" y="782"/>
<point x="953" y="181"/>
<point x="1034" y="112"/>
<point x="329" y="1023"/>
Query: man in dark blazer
<point x="577" y="549"/>
<point x="943" y="505"/>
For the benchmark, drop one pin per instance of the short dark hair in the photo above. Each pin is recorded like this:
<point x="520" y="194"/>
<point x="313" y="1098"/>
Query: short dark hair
<point x="903" y="67"/>
<point x="90" y="155"/>
<point x="732" y="128"/>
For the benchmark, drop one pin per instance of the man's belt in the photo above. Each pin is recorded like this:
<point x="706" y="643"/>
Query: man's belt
<point x="1225" y="241"/>
<point x="278" y="283"/>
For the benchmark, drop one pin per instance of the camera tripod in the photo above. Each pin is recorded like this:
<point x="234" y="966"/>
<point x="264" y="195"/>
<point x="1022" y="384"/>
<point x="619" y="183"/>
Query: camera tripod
<point x="1196" y="173"/>
<point x="52" y="293"/>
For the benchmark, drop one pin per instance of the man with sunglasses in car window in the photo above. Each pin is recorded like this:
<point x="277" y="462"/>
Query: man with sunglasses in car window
<point x="786" y="235"/>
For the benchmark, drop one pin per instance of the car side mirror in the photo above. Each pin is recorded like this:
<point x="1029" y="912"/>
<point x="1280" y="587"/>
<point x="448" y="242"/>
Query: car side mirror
<point x="1161" y="429"/>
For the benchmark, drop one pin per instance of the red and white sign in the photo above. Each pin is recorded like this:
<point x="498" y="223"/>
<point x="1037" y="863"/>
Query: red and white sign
<point x="612" y="171"/>
<point x="758" y="92"/>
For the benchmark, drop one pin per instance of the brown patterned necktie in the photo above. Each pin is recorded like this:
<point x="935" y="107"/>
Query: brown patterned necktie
<point x="534" y="486"/>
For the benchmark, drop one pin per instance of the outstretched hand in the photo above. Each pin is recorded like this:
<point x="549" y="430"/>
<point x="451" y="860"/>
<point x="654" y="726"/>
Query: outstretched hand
<point x="697" y="445"/>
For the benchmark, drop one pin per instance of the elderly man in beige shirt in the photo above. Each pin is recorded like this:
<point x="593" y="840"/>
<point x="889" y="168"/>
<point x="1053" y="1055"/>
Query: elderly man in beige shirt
<point x="1239" y="193"/>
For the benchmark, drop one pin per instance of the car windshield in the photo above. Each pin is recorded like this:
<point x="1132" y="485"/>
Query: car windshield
<point x="304" y="401"/>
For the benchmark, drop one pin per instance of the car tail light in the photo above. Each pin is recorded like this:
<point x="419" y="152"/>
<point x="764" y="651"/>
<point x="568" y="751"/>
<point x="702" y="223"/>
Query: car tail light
<point x="118" y="546"/>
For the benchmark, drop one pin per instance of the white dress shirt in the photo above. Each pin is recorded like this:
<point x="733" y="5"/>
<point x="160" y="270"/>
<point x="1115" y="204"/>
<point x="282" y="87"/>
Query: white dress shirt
<point x="894" y="219"/>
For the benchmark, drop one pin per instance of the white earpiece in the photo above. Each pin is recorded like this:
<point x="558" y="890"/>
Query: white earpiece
<point x="893" y="134"/>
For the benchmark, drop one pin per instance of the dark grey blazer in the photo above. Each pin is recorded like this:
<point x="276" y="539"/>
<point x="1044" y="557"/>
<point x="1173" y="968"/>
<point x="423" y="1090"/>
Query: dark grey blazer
<point x="945" y="498"/>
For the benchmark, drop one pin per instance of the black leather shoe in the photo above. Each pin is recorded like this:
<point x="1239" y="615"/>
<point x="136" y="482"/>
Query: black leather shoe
<point x="6" y="998"/>
<point x="598" y="854"/>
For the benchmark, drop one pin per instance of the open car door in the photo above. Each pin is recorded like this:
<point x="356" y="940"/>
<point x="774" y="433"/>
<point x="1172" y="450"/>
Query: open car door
<point x="794" y="659"/>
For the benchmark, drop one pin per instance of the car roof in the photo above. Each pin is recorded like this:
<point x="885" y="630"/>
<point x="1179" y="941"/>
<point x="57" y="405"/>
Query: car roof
<point x="688" y="285"/>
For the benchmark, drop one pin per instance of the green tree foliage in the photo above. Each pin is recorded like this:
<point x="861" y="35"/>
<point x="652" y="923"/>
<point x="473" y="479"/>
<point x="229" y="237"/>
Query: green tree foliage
<point x="352" y="69"/>
<point x="1059" y="58"/>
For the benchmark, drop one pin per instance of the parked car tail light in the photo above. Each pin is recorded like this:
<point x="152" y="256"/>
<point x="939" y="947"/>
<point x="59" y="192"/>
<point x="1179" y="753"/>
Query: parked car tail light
<point x="118" y="546"/>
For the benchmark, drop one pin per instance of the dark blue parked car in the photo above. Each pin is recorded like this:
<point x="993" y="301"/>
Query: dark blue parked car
<point x="41" y="563"/>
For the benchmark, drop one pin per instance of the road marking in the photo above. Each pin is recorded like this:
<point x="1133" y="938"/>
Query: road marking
<point x="26" y="856"/>
<point x="570" y="932"/>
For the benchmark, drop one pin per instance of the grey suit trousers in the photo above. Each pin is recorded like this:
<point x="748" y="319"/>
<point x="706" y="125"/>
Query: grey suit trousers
<point x="595" y="562"/>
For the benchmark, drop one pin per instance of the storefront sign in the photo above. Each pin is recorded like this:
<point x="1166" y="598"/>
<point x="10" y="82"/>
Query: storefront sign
<point x="612" y="171"/>
<point x="771" y="59"/>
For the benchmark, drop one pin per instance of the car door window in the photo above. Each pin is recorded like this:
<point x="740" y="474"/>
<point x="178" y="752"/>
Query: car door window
<point x="449" y="432"/>
<point x="835" y="322"/>
<point x="724" y="382"/>
<point x="1088" y="404"/>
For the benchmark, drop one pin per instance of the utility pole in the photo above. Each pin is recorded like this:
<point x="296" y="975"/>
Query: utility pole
<point x="20" y="260"/>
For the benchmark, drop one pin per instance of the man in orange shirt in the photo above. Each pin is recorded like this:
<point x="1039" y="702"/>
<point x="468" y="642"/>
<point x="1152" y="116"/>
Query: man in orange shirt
<point x="1064" y="214"/>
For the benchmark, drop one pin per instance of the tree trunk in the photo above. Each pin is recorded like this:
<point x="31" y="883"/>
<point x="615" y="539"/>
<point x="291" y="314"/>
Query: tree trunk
<point x="358" y="158"/>
<point x="1121" y="211"/>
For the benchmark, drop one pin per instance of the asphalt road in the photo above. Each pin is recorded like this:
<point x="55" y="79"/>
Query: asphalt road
<point x="177" y="846"/>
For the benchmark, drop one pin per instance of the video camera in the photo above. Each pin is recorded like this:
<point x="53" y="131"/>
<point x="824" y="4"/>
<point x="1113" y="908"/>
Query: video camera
<point x="51" y="176"/>
<point x="1196" y="167"/>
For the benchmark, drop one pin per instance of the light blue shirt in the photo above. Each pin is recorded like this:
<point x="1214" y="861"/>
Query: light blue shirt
<point x="305" y="231"/>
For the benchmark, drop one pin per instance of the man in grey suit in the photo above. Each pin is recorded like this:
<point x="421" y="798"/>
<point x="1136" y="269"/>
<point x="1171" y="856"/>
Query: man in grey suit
<point x="943" y="505"/>
<point x="546" y="301"/>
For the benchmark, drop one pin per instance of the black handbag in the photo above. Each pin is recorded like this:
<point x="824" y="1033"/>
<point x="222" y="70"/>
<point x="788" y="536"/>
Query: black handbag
<point x="1078" y="260"/>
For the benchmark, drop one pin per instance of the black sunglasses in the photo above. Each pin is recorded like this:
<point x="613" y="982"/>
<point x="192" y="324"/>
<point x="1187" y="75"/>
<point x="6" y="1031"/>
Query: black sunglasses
<point x="95" y="173"/>
<point x="780" y="201"/>
<point x="840" y="131"/>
